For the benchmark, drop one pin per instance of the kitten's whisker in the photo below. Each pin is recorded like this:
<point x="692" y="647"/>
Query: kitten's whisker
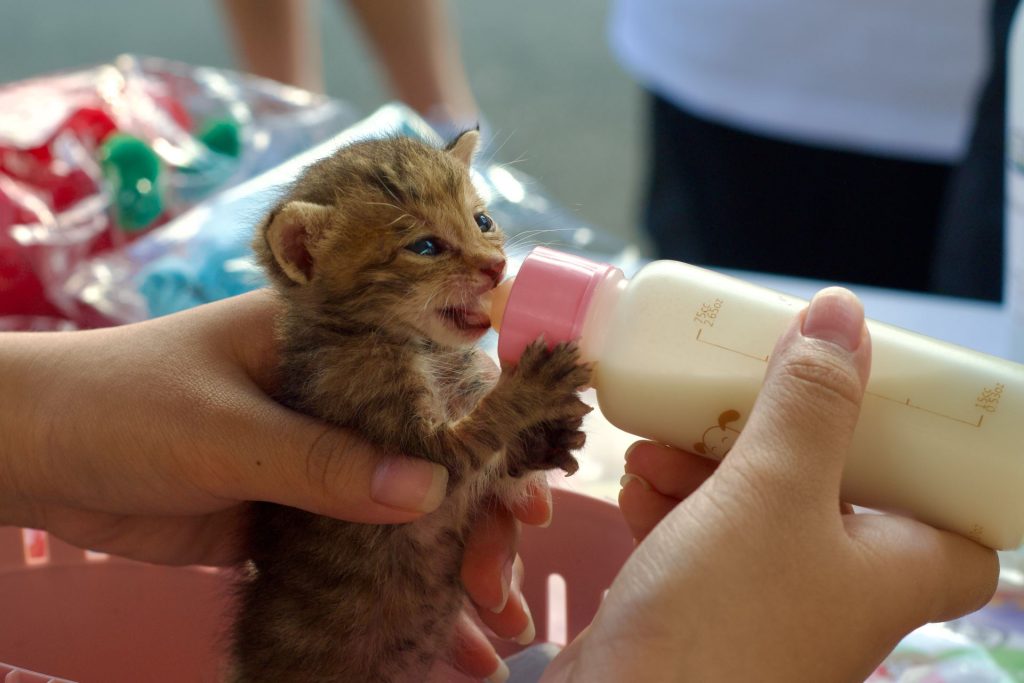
<point x="524" y="246"/>
<point x="493" y="154"/>
<point x="538" y="231"/>
<point x="430" y="299"/>
<point x="385" y="187"/>
<point x="531" y="238"/>
<point x="388" y="204"/>
<point x="518" y="160"/>
<point x="404" y="215"/>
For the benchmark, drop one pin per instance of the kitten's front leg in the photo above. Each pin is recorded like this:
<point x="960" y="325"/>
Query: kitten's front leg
<point x="541" y="395"/>
<point x="532" y="414"/>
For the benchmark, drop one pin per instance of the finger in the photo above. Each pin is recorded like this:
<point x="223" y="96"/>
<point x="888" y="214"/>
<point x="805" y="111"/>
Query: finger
<point x="487" y="563"/>
<point x="670" y="471"/>
<point x="642" y="506"/>
<point x="535" y="507"/>
<point x="800" y="429"/>
<point x="514" y="621"/>
<point x="283" y="457"/>
<point x="474" y="655"/>
<point x="926" y="574"/>
<point x="287" y="458"/>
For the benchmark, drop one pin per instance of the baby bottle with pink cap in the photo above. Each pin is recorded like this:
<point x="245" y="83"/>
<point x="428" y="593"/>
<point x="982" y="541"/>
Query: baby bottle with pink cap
<point x="680" y="353"/>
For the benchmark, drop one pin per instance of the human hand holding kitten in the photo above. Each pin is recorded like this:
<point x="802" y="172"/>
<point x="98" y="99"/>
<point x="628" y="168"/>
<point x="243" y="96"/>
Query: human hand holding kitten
<point x="146" y="441"/>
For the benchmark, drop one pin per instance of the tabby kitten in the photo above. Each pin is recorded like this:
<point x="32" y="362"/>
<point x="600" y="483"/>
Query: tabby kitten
<point x="382" y="254"/>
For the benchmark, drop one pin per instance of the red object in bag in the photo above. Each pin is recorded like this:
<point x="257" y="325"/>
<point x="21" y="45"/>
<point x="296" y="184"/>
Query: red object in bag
<point x="91" y="126"/>
<point x="21" y="291"/>
<point x="48" y="142"/>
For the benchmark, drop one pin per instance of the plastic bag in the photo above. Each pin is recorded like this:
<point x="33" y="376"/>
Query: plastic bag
<point x="204" y="254"/>
<point x="91" y="159"/>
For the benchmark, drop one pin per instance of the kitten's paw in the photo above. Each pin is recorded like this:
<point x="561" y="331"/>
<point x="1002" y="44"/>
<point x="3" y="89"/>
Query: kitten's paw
<point x="547" y="386"/>
<point x="559" y="369"/>
<point x="558" y="439"/>
<point x="543" y="387"/>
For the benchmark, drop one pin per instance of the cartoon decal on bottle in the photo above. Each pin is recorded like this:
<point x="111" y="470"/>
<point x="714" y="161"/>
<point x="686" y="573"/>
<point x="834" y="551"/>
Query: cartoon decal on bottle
<point x="716" y="441"/>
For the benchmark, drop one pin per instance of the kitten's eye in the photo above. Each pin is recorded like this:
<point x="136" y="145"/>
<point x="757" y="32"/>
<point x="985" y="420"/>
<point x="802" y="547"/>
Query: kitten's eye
<point x="430" y="246"/>
<point x="484" y="221"/>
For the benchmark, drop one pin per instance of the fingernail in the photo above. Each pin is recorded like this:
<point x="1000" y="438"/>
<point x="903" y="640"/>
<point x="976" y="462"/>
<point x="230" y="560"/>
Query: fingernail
<point x="500" y="674"/>
<point x="506" y="581"/>
<point x="836" y="316"/>
<point x="409" y="484"/>
<point x="530" y="632"/>
<point x="628" y="478"/>
<point x="632" y="447"/>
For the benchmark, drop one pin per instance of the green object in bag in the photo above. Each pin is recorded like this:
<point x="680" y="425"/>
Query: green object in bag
<point x="222" y="136"/>
<point x="133" y="170"/>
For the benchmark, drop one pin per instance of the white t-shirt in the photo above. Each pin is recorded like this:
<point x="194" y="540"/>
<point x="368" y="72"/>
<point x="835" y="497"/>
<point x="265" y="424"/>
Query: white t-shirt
<point x="889" y="77"/>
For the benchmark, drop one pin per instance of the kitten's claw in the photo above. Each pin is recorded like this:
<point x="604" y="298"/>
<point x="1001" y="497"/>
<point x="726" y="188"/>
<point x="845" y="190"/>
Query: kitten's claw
<point x="573" y="409"/>
<point x="551" y="446"/>
<point x="564" y="461"/>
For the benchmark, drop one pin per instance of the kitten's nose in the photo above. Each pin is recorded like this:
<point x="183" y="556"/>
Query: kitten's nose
<point x="494" y="270"/>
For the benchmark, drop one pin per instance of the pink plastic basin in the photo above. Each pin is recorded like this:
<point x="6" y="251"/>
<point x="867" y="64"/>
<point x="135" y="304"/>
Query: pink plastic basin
<point x="95" y="619"/>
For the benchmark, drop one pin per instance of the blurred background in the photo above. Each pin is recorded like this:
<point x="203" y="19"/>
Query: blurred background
<point x="829" y="140"/>
<point x="837" y="140"/>
<point x="558" y="104"/>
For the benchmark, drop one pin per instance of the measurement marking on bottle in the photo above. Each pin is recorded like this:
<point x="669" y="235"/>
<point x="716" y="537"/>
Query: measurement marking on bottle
<point x="904" y="402"/>
<point x="763" y="359"/>
<point x="908" y="404"/>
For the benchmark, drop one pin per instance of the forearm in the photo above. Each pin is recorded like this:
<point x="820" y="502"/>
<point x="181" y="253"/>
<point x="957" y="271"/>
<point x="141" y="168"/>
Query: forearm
<point x="420" y="53"/>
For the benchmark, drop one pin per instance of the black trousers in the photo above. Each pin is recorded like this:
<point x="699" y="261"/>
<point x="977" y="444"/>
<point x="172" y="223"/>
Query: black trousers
<point x="718" y="196"/>
<point x="721" y="197"/>
<point x="969" y="258"/>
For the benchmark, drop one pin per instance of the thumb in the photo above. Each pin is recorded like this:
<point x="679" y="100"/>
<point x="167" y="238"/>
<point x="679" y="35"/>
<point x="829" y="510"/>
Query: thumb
<point x="300" y="462"/>
<point x="919" y="573"/>
<point x="802" y="424"/>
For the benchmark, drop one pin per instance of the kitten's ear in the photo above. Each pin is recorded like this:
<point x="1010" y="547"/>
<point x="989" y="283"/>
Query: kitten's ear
<point x="292" y="235"/>
<point x="464" y="147"/>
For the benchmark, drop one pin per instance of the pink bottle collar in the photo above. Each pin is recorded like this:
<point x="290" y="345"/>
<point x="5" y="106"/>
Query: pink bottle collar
<point x="549" y="297"/>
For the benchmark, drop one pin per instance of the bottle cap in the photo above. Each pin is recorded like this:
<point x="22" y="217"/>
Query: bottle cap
<point x="549" y="297"/>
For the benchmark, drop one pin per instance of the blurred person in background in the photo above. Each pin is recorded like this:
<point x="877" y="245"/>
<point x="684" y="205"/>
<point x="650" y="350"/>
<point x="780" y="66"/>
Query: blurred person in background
<point x="413" y="42"/>
<point x="829" y="139"/>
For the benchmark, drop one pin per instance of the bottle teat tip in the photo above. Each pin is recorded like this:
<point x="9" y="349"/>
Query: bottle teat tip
<point x="499" y="298"/>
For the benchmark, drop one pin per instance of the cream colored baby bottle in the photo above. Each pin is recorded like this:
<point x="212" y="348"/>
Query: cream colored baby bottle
<point x="680" y="353"/>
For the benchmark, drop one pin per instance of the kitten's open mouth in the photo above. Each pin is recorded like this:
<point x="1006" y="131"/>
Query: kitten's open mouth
<point x="466" y="319"/>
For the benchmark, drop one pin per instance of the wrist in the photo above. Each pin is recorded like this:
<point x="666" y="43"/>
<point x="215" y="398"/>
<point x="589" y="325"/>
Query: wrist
<point x="25" y="361"/>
